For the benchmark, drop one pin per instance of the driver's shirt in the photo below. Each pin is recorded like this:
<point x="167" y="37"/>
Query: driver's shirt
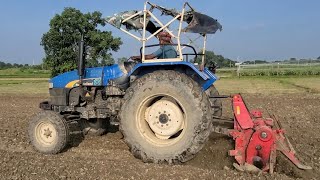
<point x="165" y="52"/>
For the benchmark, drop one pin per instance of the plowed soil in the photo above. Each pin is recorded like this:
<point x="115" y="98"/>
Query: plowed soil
<point x="108" y="157"/>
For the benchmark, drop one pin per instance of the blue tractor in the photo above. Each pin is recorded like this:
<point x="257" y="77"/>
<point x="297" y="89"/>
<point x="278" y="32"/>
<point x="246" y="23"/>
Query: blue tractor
<point x="164" y="106"/>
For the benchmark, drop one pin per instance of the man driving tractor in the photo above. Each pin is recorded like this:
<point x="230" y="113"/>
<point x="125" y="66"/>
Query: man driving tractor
<point x="166" y="50"/>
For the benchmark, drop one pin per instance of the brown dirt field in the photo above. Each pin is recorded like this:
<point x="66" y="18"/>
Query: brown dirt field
<point x="107" y="157"/>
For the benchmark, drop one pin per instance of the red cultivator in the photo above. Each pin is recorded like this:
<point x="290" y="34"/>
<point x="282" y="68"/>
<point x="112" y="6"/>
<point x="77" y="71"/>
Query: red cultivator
<point x="257" y="139"/>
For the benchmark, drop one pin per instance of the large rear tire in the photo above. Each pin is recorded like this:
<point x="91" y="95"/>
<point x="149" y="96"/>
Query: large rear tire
<point x="48" y="132"/>
<point x="165" y="117"/>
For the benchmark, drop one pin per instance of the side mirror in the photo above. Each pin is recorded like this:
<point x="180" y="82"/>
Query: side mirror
<point x="81" y="60"/>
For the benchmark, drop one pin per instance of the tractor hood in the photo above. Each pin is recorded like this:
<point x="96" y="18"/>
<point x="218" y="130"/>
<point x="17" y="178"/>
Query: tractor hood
<point x="98" y="76"/>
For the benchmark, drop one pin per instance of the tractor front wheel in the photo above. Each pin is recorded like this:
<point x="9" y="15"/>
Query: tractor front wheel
<point x="48" y="132"/>
<point x="165" y="117"/>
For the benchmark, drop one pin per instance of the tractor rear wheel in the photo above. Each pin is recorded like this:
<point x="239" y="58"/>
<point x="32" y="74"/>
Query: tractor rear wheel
<point x="48" y="132"/>
<point x="165" y="117"/>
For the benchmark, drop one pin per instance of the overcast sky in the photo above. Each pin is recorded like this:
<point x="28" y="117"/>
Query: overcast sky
<point x="252" y="29"/>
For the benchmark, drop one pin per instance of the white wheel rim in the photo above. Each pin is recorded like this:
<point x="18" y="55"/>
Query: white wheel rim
<point x="46" y="133"/>
<point x="161" y="129"/>
<point x="165" y="118"/>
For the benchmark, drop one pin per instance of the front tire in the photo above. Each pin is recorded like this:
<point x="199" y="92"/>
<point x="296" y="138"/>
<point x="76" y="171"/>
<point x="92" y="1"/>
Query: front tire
<point x="48" y="132"/>
<point x="165" y="117"/>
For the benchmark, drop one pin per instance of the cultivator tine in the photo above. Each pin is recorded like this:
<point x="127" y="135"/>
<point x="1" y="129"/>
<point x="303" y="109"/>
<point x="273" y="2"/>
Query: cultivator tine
<point x="284" y="145"/>
<point x="273" y="159"/>
<point x="288" y="151"/>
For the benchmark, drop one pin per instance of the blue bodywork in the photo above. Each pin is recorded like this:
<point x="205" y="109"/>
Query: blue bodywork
<point x="100" y="76"/>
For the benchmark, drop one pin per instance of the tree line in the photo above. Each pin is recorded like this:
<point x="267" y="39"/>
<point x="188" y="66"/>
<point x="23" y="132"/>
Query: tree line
<point x="286" y="61"/>
<point x="215" y="60"/>
<point x="4" y="65"/>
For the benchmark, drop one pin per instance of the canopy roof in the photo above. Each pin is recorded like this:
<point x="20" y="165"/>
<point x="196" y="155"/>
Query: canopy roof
<point x="197" y="22"/>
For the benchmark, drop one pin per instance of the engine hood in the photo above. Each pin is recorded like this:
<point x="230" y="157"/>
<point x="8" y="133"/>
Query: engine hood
<point x="98" y="76"/>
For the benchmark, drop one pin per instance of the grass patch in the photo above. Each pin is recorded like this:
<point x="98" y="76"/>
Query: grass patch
<point x="309" y="84"/>
<point x="21" y="81"/>
<point x="40" y="88"/>
<point x="268" y="85"/>
<point x="271" y="71"/>
<point x="24" y="85"/>
<point x="24" y="73"/>
<point x="230" y="85"/>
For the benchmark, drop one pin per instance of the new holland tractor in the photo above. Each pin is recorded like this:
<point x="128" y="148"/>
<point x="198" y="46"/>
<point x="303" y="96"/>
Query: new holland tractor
<point x="166" y="108"/>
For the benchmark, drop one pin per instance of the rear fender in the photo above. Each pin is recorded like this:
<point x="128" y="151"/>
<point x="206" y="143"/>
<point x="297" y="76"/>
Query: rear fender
<point x="205" y="78"/>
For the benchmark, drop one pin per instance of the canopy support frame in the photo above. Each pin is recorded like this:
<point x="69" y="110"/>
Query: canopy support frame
<point x="148" y="12"/>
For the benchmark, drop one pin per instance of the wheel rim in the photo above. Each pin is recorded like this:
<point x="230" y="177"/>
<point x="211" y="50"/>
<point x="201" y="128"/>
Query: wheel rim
<point x="161" y="120"/>
<point x="46" y="133"/>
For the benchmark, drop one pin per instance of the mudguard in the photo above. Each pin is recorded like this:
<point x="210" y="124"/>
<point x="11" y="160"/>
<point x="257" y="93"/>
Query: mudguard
<point x="207" y="77"/>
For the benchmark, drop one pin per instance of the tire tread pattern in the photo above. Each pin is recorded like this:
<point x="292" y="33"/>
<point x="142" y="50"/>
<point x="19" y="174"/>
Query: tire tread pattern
<point x="62" y="128"/>
<point x="202" y="130"/>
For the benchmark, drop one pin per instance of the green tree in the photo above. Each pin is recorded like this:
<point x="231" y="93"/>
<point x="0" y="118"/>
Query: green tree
<point x="61" y="41"/>
<point x="121" y="60"/>
<point x="9" y="65"/>
<point x="215" y="60"/>
<point x="2" y="65"/>
<point x="256" y="62"/>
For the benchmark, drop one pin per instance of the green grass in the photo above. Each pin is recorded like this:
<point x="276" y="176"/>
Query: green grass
<point x="24" y="73"/>
<point x="309" y="84"/>
<point x="255" y="85"/>
<point x="22" y="81"/>
<point x="24" y="86"/>
<point x="36" y="82"/>
<point x="268" y="85"/>
<point x="271" y="71"/>
<point x="24" y="89"/>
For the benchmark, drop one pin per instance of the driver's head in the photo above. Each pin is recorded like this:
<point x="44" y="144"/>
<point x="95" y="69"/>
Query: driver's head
<point x="164" y="37"/>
